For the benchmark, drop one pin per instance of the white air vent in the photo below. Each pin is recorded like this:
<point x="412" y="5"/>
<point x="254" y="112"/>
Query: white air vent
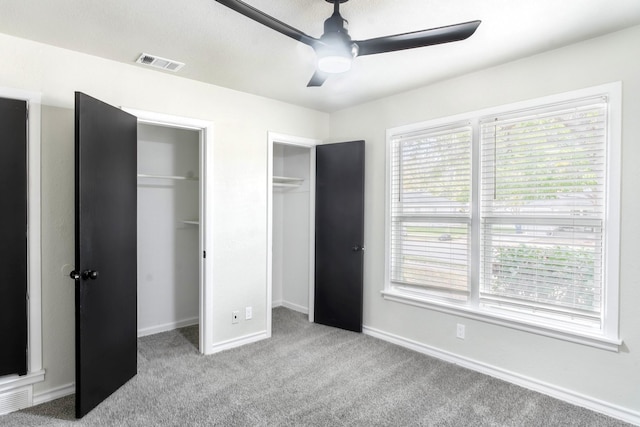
<point x="158" y="62"/>
<point x="15" y="400"/>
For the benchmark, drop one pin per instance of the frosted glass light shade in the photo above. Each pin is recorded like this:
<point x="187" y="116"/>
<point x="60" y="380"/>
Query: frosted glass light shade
<point x="334" y="63"/>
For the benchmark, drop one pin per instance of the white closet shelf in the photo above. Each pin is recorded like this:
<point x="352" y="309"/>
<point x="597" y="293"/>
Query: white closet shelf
<point x="285" y="185"/>
<point x="287" y="181"/>
<point x="186" y="178"/>
<point x="191" y="221"/>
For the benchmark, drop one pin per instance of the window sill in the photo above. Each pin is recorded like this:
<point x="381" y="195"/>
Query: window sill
<point x="10" y="382"/>
<point x="495" y="319"/>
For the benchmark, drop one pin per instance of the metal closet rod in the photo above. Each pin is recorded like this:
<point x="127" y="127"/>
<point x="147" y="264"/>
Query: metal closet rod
<point x="188" y="178"/>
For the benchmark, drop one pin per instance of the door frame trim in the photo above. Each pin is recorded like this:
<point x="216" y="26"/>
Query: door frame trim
<point x="205" y="130"/>
<point x="272" y="138"/>
<point x="34" y="231"/>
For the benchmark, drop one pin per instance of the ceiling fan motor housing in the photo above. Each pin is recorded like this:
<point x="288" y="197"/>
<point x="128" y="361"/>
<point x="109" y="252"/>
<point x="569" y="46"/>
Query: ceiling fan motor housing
<point x="336" y="24"/>
<point x="336" y="37"/>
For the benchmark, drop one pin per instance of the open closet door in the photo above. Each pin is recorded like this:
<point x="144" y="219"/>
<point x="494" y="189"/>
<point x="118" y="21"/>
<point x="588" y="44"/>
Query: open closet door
<point x="13" y="236"/>
<point x="106" y="292"/>
<point x="339" y="235"/>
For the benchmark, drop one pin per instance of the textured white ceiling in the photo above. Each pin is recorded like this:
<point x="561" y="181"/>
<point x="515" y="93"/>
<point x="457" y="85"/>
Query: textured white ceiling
<point x="227" y="49"/>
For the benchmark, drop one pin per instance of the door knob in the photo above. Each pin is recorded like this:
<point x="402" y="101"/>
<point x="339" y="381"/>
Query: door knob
<point x="357" y="248"/>
<point x="90" y="274"/>
<point x="87" y="274"/>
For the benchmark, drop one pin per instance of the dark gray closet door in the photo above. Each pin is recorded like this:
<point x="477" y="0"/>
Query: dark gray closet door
<point x="13" y="237"/>
<point x="106" y="277"/>
<point x="339" y="235"/>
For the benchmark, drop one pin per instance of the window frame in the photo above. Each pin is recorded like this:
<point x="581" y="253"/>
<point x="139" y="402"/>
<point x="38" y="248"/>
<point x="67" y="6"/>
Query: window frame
<point x="608" y="337"/>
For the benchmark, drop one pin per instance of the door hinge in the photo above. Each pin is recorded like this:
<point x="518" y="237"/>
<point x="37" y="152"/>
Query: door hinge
<point x="27" y="112"/>
<point x="204" y="254"/>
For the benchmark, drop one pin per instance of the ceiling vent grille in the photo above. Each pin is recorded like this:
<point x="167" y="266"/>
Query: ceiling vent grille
<point x="158" y="62"/>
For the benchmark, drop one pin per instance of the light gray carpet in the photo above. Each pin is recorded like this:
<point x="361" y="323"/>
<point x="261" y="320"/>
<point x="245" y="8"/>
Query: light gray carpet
<point x="307" y="374"/>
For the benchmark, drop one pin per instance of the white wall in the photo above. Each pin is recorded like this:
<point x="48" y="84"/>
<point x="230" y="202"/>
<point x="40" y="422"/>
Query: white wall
<point x="612" y="379"/>
<point x="241" y="123"/>
<point x="290" y="286"/>
<point x="295" y="280"/>
<point x="168" y="251"/>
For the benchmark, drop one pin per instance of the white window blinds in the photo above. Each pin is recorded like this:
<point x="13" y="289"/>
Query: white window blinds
<point x="512" y="215"/>
<point x="542" y="198"/>
<point x="430" y="209"/>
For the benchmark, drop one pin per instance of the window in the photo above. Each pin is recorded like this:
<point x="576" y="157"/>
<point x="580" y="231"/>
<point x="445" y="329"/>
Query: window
<point x="431" y="210"/>
<point x="511" y="215"/>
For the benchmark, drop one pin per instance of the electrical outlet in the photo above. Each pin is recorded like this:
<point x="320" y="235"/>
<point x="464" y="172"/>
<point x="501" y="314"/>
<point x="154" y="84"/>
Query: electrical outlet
<point x="235" y="316"/>
<point x="460" y="331"/>
<point x="248" y="313"/>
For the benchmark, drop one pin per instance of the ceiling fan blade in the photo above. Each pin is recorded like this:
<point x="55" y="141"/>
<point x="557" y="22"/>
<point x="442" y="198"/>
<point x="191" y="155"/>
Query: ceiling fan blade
<point x="317" y="79"/>
<point x="450" y="33"/>
<point x="269" y="21"/>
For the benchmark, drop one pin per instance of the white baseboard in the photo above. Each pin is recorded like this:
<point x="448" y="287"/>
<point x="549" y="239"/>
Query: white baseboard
<point x="295" y="307"/>
<point x="552" y="390"/>
<point x="237" y="342"/>
<point x="156" y="329"/>
<point x="54" y="393"/>
<point x="290" y="305"/>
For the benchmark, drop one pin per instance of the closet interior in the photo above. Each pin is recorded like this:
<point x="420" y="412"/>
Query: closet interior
<point x="168" y="228"/>
<point x="291" y="229"/>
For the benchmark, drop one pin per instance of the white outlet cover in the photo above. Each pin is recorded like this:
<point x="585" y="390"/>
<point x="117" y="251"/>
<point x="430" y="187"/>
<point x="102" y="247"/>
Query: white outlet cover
<point x="460" y="330"/>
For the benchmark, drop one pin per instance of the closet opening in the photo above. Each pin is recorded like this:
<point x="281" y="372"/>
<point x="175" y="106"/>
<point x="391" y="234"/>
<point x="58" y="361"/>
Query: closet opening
<point x="291" y="224"/>
<point x="168" y="235"/>
<point x="174" y="224"/>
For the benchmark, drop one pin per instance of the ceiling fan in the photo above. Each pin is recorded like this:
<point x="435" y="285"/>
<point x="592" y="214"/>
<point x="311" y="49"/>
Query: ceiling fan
<point x="335" y="49"/>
